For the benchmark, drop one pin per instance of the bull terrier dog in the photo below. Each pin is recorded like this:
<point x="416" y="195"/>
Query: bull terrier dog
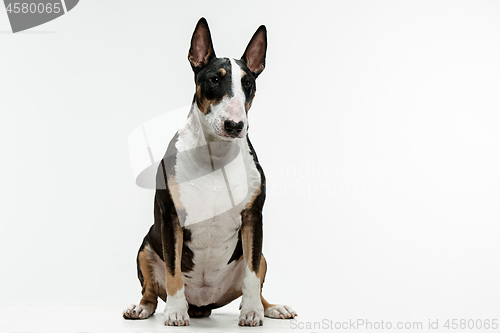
<point x="204" y="249"/>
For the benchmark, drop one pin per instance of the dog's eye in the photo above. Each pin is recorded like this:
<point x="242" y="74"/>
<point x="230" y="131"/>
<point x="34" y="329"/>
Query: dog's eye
<point x="214" y="79"/>
<point x="248" y="83"/>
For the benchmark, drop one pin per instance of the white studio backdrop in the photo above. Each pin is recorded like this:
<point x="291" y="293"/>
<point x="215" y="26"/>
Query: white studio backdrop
<point x="376" y="123"/>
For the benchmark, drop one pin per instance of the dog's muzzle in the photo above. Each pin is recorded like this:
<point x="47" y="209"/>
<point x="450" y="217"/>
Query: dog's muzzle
<point x="233" y="129"/>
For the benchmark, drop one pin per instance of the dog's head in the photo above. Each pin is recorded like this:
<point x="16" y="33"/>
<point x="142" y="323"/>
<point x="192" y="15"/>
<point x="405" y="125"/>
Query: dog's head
<point x="225" y="87"/>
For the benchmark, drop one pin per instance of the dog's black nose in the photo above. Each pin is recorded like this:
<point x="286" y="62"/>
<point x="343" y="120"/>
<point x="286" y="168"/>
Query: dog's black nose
<point x="233" y="129"/>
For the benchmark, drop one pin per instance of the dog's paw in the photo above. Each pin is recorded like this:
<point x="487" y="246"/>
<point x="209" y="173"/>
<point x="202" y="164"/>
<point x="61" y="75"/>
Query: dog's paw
<point x="251" y="317"/>
<point x="280" y="312"/>
<point x="137" y="312"/>
<point x="176" y="316"/>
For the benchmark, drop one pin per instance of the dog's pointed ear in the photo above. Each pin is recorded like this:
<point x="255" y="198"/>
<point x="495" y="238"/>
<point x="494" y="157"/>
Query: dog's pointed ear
<point x="255" y="54"/>
<point x="201" y="50"/>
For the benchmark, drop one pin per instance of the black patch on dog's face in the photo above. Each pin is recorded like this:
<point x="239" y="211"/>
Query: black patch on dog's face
<point x="213" y="83"/>
<point x="248" y="84"/>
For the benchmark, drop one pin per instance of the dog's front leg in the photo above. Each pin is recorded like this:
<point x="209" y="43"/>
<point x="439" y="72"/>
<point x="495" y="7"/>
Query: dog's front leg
<point x="252" y="311"/>
<point x="176" y="307"/>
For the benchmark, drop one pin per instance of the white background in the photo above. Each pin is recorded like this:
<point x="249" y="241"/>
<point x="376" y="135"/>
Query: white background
<point x="377" y="123"/>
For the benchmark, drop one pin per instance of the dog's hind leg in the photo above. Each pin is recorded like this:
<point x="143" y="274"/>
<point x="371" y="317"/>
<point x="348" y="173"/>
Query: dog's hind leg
<point x="273" y="310"/>
<point x="151" y="290"/>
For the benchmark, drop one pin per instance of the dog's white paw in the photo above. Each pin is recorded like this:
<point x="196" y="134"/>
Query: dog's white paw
<point x="251" y="317"/>
<point x="176" y="318"/>
<point x="137" y="312"/>
<point x="176" y="314"/>
<point x="280" y="312"/>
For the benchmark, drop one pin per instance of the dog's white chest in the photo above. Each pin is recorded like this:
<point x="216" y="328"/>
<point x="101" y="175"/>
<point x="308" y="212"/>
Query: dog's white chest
<point x="213" y="181"/>
<point x="213" y="273"/>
